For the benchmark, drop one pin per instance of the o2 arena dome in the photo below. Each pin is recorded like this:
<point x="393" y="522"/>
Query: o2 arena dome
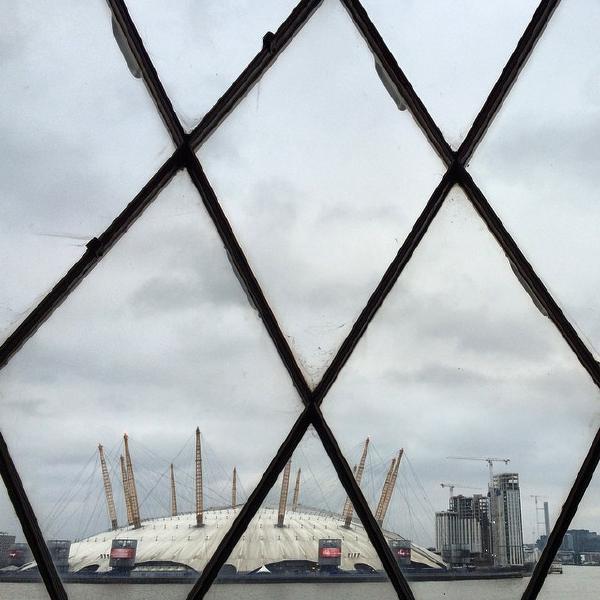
<point x="280" y="538"/>
<point x="177" y="542"/>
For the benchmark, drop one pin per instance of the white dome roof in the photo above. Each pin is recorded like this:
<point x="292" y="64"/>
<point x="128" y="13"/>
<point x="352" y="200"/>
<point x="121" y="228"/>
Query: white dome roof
<point x="177" y="539"/>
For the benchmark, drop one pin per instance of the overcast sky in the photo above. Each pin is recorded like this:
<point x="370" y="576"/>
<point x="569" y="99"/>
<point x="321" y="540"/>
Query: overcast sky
<point x="321" y="177"/>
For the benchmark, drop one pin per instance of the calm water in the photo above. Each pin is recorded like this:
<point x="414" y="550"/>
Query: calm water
<point x="576" y="583"/>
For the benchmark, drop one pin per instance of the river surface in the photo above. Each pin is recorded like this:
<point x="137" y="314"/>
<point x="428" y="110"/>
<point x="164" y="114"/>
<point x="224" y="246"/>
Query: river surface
<point x="576" y="583"/>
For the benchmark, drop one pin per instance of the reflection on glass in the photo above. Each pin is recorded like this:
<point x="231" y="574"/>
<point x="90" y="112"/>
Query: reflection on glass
<point x="80" y="137"/>
<point x="452" y="52"/>
<point x="305" y="534"/>
<point x="157" y="340"/>
<point x="578" y="558"/>
<point x="538" y="163"/>
<point x="493" y="411"/>
<point x="200" y="48"/>
<point x="322" y="177"/>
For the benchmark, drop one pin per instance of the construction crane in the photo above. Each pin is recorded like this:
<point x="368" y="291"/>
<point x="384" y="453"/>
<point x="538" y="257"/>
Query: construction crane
<point x="451" y="487"/>
<point x="537" y="497"/>
<point x="490" y="461"/>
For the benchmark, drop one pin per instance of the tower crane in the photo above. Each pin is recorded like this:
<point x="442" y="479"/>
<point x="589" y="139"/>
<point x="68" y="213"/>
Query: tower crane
<point x="490" y="461"/>
<point x="451" y="487"/>
<point x="536" y="498"/>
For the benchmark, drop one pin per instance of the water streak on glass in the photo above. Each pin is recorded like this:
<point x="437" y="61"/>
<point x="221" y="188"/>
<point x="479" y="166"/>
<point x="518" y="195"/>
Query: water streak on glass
<point x="200" y="48"/>
<point x="539" y="163"/>
<point x="321" y="176"/>
<point x="452" y="51"/>
<point x="460" y="366"/>
<point x="158" y="340"/>
<point x="80" y="136"/>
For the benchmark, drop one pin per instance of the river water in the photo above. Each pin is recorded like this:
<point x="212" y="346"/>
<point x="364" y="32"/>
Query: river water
<point x="576" y="583"/>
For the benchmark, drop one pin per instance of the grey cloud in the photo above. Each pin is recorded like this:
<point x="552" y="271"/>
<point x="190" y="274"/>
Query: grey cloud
<point x="568" y="145"/>
<point x="441" y="375"/>
<point x="160" y="337"/>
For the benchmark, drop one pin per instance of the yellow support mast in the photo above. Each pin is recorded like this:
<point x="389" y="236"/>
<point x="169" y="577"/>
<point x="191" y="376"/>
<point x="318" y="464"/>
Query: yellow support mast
<point x="110" y="501"/>
<point x="135" y="507"/>
<point x="173" y="494"/>
<point x="285" y="484"/>
<point x="199" y="490"/>
<point x="126" y="491"/>
<point x="296" y="492"/>
<point x="234" y="489"/>
<point x="348" y="508"/>
<point x="388" y="489"/>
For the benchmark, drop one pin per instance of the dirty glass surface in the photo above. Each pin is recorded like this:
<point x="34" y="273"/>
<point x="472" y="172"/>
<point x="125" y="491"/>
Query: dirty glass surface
<point x="80" y="138"/>
<point x="200" y="48"/>
<point x="159" y="341"/>
<point x="452" y="51"/>
<point x="464" y="413"/>
<point x="459" y="365"/>
<point x="538" y="163"/>
<point x="321" y="176"/>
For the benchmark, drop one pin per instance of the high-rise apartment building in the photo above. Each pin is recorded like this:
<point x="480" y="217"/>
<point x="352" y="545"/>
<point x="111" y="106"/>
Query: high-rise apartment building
<point x="449" y="539"/>
<point x="463" y="531"/>
<point x="506" y="525"/>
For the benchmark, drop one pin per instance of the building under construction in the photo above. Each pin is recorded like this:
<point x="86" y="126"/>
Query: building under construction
<point x="481" y="529"/>
<point x="279" y="538"/>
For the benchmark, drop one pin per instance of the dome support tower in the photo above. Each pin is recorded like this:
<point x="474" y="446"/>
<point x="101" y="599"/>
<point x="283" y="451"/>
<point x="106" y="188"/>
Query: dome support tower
<point x="173" y="494"/>
<point x="348" y="508"/>
<point x="135" y="507"/>
<point x="285" y="484"/>
<point x="388" y="489"/>
<point x="110" y="501"/>
<point x="296" y="492"/>
<point x="234" y="489"/>
<point x="126" y="490"/>
<point x="199" y="491"/>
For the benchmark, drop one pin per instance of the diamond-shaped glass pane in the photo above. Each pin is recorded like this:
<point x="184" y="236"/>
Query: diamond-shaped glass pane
<point x="322" y="177"/>
<point x="158" y="339"/>
<point x="457" y="367"/>
<point x="80" y="138"/>
<point x="14" y="555"/>
<point x="452" y="51"/>
<point x="572" y="575"/>
<point x="305" y="536"/>
<point x="200" y="48"/>
<point x="538" y="163"/>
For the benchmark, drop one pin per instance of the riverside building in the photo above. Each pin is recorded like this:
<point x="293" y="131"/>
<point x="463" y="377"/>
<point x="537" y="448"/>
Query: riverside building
<point x="6" y="543"/>
<point x="506" y="523"/>
<point x="463" y="531"/>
